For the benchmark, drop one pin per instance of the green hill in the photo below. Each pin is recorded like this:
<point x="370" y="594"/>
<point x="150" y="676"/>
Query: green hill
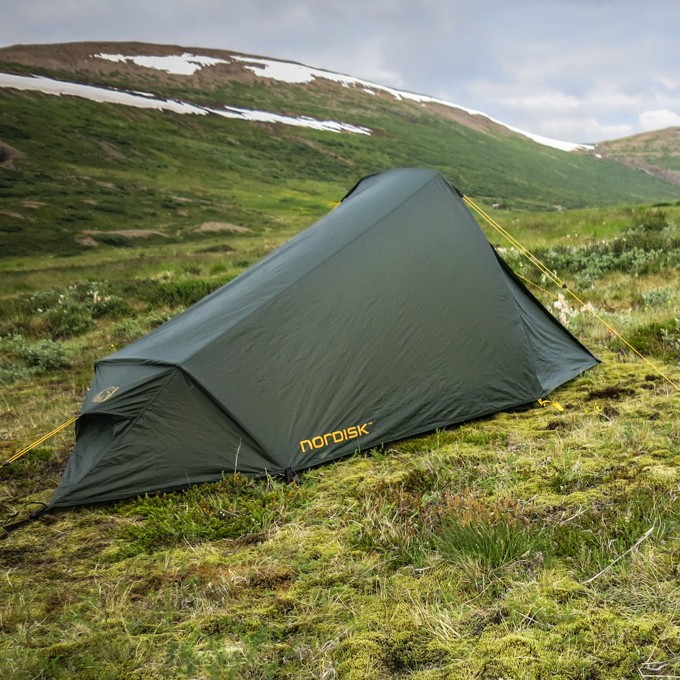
<point x="74" y="166"/>
<point x="539" y="543"/>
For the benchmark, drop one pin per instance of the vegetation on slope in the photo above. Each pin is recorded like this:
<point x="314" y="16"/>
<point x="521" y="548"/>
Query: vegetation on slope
<point x="104" y="167"/>
<point x="533" y="544"/>
<point x="654" y="152"/>
<point x="525" y="545"/>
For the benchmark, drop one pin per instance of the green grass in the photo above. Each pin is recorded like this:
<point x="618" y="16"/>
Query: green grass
<point x="465" y="553"/>
<point x="530" y="544"/>
<point x="104" y="168"/>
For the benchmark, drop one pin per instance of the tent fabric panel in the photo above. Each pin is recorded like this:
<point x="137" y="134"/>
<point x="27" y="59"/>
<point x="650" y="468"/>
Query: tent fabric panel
<point x="124" y="388"/>
<point x="557" y="355"/>
<point x="387" y="331"/>
<point x="205" y="322"/>
<point x="180" y="438"/>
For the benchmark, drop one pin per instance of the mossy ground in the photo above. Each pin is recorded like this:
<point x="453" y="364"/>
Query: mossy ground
<point x="508" y="547"/>
<point x="380" y="565"/>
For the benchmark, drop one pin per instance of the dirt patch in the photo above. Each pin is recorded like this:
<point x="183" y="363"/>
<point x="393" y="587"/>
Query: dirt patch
<point x="8" y="154"/>
<point x="33" y="205"/>
<point x="319" y="149"/>
<point x="15" y="215"/>
<point x="87" y="241"/>
<point x="611" y="393"/>
<point x="89" y="237"/>
<point x="210" y="227"/>
<point x="112" y="152"/>
<point x="472" y="120"/>
<point x="129" y="233"/>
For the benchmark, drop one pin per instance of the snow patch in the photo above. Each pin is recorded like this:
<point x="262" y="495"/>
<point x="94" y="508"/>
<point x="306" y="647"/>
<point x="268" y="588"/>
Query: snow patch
<point x="144" y="101"/>
<point x="297" y="73"/>
<point x="96" y="94"/>
<point x="182" y="65"/>
<point x="287" y="72"/>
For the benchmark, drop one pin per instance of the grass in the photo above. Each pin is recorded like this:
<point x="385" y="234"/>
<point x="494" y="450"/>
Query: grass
<point x="506" y="547"/>
<point x="435" y="559"/>
<point x="529" y="544"/>
<point x="97" y="167"/>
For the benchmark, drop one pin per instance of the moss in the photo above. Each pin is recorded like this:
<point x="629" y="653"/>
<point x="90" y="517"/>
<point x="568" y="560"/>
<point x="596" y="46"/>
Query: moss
<point x="561" y="589"/>
<point x="414" y="650"/>
<point x="390" y="653"/>
<point x="344" y="576"/>
<point x="621" y="656"/>
<point x="511" y="656"/>
<point x="363" y="656"/>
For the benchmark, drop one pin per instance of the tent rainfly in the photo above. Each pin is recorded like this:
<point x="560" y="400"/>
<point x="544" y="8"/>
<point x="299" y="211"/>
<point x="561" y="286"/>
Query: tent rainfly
<point x="391" y="316"/>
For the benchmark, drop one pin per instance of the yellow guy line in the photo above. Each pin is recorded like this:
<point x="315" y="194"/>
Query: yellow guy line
<point x="533" y="283"/>
<point x="42" y="439"/>
<point x="558" y="282"/>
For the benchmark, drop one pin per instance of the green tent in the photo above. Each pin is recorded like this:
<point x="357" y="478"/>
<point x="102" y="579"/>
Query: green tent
<point x="391" y="316"/>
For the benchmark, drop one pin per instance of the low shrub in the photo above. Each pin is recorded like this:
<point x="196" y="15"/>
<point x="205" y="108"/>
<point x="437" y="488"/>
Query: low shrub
<point x="180" y="292"/>
<point x="126" y="331"/>
<point x="647" y="220"/>
<point x="658" y="297"/>
<point x="20" y="358"/>
<point x="647" y="246"/>
<point x="45" y="355"/>
<point x="67" y="320"/>
<point x="70" y="312"/>
<point x="661" y="339"/>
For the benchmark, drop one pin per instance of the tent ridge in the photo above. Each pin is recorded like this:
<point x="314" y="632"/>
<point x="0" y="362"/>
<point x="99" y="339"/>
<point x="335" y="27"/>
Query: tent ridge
<point x="275" y="296"/>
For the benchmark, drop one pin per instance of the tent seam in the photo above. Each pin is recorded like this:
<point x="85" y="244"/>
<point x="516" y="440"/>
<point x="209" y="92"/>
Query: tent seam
<point x="224" y="410"/>
<point x="276" y="296"/>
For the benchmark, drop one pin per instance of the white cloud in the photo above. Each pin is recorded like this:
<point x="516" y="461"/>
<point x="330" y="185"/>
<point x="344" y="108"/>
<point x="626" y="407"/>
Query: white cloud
<point x="666" y="82"/>
<point x="545" y="102"/>
<point x="659" y="119"/>
<point x="585" y="129"/>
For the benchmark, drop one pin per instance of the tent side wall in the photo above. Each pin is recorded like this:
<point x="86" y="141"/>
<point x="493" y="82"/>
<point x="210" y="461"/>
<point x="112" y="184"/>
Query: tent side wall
<point x="412" y="325"/>
<point x="178" y="436"/>
<point x="558" y="355"/>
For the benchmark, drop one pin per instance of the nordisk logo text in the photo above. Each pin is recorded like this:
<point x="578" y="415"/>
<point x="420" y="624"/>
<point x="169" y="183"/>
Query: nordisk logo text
<point x="335" y="437"/>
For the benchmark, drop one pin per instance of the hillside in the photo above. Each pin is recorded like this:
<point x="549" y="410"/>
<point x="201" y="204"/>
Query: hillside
<point x="534" y="543"/>
<point x="238" y="145"/>
<point x="656" y="153"/>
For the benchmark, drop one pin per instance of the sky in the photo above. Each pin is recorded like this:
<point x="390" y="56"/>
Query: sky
<point x="576" y="70"/>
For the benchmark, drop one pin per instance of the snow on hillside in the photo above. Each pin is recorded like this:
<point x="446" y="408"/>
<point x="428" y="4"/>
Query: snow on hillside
<point x="182" y="64"/>
<point x="146" y="101"/>
<point x="187" y="64"/>
<point x="287" y="72"/>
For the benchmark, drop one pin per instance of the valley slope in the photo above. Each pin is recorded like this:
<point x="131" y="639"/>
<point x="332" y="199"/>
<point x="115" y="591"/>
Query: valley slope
<point x="270" y="144"/>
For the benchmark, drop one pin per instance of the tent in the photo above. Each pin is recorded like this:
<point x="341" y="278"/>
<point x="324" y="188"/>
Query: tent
<point x="389" y="317"/>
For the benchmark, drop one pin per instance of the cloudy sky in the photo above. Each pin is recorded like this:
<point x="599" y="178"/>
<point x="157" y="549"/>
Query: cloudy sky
<point x="577" y="70"/>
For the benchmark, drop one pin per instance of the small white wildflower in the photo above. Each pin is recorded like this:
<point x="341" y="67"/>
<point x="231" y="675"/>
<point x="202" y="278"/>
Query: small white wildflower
<point x="562" y="309"/>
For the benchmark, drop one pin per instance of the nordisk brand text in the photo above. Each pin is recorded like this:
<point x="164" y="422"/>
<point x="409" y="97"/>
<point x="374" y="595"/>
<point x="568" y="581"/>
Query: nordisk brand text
<point x="335" y="437"/>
